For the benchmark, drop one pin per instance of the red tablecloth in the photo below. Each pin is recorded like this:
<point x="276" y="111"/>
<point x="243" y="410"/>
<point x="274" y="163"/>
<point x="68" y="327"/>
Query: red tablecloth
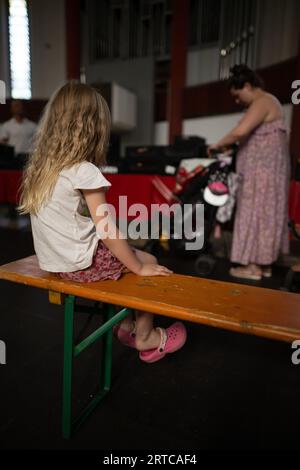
<point x="10" y="181"/>
<point x="137" y="188"/>
<point x="294" y="201"/>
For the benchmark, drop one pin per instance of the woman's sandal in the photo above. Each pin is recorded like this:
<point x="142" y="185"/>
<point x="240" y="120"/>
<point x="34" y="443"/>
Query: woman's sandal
<point x="266" y="272"/>
<point x="172" y="339"/>
<point x="242" y="273"/>
<point x="125" y="337"/>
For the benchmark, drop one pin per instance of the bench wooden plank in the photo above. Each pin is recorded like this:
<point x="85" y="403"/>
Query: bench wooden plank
<point x="246" y="309"/>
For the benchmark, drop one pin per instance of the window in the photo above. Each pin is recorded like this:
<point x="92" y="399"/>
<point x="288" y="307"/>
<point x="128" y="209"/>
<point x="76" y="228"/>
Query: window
<point x="205" y="22"/>
<point x="129" y="28"/>
<point x="146" y="37"/>
<point x="210" y="25"/>
<point x="134" y="16"/>
<point x="238" y="37"/>
<point x="117" y="22"/>
<point x="157" y="24"/>
<point x="101" y="39"/>
<point x="168" y="32"/>
<point x="19" y="49"/>
<point x="194" y="22"/>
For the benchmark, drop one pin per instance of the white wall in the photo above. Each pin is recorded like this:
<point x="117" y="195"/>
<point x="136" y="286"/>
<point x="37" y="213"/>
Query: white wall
<point x="48" y="46"/>
<point x="135" y="75"/>
<point x="203" y="66"/>
<point x="211" y="128"/>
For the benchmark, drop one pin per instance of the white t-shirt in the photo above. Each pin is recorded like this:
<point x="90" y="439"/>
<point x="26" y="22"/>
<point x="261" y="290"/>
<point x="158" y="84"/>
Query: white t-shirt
<point x="64" y="240"/>
<point x="19" y="134"/>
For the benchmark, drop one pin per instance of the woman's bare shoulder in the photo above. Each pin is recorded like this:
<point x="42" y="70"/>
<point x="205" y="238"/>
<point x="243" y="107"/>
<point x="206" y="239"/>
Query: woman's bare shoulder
<point x="271" y="105"/>
<point x="271" y="101"/>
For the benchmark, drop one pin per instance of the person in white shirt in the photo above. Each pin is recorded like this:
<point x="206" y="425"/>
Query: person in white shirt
<point x="18" y="131"/>
<point x="61" y="176"/>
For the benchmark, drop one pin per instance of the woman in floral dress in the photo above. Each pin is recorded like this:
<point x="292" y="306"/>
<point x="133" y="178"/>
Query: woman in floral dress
<point x="261" y="222"/>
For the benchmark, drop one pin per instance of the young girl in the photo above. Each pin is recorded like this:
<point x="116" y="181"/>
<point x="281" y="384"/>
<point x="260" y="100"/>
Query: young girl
<point x="62" y="176"/>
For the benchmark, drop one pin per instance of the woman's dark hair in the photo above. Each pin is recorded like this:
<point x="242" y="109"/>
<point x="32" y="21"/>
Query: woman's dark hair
<point x="242" y="74"/>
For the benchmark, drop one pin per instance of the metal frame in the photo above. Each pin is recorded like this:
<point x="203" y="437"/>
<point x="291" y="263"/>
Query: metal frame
<point x="72" y="350"/>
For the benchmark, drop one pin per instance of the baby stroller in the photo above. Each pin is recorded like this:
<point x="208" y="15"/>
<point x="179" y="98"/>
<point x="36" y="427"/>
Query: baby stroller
<point x="202" y="181"/>
<point x="292" y="279"/>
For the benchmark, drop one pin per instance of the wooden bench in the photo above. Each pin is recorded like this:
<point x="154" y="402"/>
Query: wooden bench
<point x="245" y="309"/>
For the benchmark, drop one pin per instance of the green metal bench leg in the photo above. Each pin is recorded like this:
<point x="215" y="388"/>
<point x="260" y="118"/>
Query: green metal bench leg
<point x="108" y="343"/>
<point x="71" y="351"/>
<point x="68" y="366"/>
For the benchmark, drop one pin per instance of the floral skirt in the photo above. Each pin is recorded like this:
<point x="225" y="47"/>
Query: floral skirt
<point x="104" y="266"/>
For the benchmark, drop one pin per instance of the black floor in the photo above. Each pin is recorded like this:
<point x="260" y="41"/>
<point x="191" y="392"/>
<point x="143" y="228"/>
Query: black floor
<point x="222" y="391"/>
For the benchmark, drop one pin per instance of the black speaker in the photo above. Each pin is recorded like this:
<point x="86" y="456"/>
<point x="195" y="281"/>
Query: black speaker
<point x="297" y="170"/>
<point x="189" y="140"/>
<point x="22" y="159"/>
<point x="186" y="147"/>
<point x="144" y="153"/>
<point x="114" y="149"/>
<point x="147" y="159"/>
<point x="8" y="160"/>
<point x="149" y="167"/>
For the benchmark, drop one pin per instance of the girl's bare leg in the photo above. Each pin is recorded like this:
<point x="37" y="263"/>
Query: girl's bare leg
<point x="146" y="336"/>
<point x="127" y="324"/>
<point x="217" y="232"/>
<point x="145" y="257"/>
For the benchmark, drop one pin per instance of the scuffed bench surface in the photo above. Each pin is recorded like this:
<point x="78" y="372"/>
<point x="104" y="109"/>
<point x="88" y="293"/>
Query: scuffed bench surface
<point x="246" y="309"/>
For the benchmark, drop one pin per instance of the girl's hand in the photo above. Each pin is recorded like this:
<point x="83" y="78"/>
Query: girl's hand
<point x="153" y="270"/>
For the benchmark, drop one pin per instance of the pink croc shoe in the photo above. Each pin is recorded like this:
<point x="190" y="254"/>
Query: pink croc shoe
<point x="125" y="337"/>
<point x="172" y="339"/>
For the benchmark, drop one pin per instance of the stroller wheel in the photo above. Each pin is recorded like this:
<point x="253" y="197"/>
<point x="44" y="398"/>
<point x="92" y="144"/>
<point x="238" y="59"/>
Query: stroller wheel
<point x="292" y="282"/>
<point x="204" y="265"/>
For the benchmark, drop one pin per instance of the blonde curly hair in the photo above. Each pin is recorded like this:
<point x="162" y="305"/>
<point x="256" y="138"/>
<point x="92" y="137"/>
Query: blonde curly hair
<point x="75" y="127"/>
